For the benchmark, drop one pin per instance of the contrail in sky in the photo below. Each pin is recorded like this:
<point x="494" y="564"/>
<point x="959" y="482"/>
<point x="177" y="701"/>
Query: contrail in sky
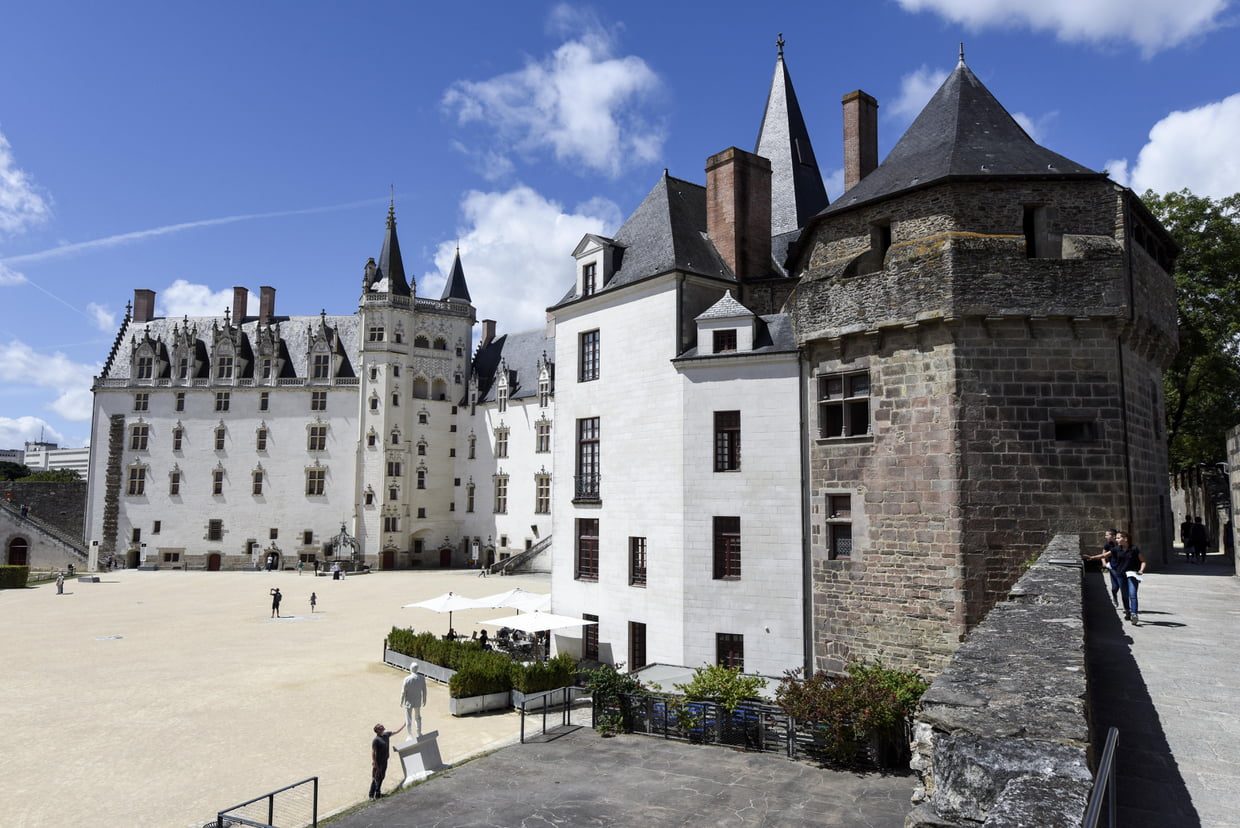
<point x="138" y="235"/>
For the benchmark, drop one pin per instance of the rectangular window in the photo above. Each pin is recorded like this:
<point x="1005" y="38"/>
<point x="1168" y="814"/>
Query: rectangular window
<point x="637" y="645"/>
<point x="725" y="341"/>
<point x="637" y="561"/>
<point x="587" y="487"/>
<point x="318" y="400"/>
<point x="421" y="478"/>
<point x="217" y="482"/>
<point x="155" y="527"/>
<point x="587" y="279"/>
<point x="146" y="367"/>
<point x="138" y="436"/>
<point x="307" y="538"/>
<point x="177" y="435"/>
<point x="374" y="333"/>
<point x="180" y="401"/>
<point x="542" y="437"/>
<point x="137" y="480"/>
<point x="587" y="549"/>
<point x="182" y="368"/>
<point x="316" y="438"/>
<point x="172" y="557"/>
<point x="257" y="488"/>
<point x="730" y="650"/>
<point x="215" y="530"/>
<point x="473" y="447"/>
<point x="220" y="434"/>
<point x="264" y="400"/>
<point x="391" y="523"/>
<point x="589" y="637"/>
<point x="501" y="442"/>
<point x="174" y="483"/>
<point x="393" y="468"/>
<point x="260" y="440"/>
<point x="844" y="405"/>
<point x="727" y="441"/>
<point x="589" y="356"/>
<point x="224" y="368"/>
<point x="316" y="481"/>
<point x="273" y="533"/>
<point x="501" y="495"/>
<point x="839" y="526"/>
<point x="501" y="398"/>
<point x="542" y="494"/>
<point x="267" y="368"/>
<point x="322" y="366"/>
<point x="469" y="497"/>
<point x="222" y="399"/>
<point x="422" y="512"/>
<point x="141" y="401"/>
<point x="727" y="536"/>
<point x="544" y="393"/>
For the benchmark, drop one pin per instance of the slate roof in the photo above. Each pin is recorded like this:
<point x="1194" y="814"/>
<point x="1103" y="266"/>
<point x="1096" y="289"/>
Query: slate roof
<point x="390" y="265"/>
<point x="962" y="132"/>
<point x="772" y="335"/>
<point x="666" y="232"/>
<point x="520" y="352"/>
<point x="797" y="192"/>
<point x="725" y="308"/>
<point x="455" y="287"/>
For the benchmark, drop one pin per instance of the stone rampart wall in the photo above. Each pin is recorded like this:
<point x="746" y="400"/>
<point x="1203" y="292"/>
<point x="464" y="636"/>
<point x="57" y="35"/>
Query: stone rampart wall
<point x="62" y="504"/>
<point x="1002" y="735"/>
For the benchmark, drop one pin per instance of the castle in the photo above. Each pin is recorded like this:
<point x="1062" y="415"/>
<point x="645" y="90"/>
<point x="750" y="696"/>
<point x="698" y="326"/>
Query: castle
<point x="790" y="431"/>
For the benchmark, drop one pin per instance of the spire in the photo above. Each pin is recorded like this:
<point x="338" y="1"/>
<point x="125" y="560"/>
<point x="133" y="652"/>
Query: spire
<point x="455" y="288"/>
<point x="390" y="266"/>
<point x="797" y="192"/>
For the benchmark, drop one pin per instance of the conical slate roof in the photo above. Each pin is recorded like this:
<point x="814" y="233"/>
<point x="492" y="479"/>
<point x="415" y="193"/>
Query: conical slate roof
<point x="455" y="287"/>
<point x="962" y="132"/>
<point x="797" y="192"/>
<point x="390" y="266"/>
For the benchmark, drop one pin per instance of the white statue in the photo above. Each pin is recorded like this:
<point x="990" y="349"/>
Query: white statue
<point x="412" y="697"/>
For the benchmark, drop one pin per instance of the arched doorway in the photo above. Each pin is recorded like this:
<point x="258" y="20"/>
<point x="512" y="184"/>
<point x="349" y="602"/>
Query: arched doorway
<point x="213" y="562"/>
<point x="445" y="557"/>
<point x="19" y="552"/>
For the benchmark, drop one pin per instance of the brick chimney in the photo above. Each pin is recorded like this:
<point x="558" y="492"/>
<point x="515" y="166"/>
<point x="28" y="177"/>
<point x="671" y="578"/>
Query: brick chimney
<point x="488" y="332"/>
<point x="241" y="298"/>
<point x="738" y="210"/>
<point x="266" y="304"/>
<point x="860" y="137"/>
<point x="143" y="305"/>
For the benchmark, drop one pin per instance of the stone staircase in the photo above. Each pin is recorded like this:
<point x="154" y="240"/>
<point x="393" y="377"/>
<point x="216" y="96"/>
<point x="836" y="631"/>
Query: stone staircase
<point x="49" y="531"/>
<point x="522" y="561"/>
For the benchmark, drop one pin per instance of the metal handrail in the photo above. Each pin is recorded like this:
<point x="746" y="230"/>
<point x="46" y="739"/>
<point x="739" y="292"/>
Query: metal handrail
<point x="1104" y="783"/>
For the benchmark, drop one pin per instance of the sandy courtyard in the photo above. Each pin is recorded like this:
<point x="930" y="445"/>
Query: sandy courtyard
<point x="154" y="699"/>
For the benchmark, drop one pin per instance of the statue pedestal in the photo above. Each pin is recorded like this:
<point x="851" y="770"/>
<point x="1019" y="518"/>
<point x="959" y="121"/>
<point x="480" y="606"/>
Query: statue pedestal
<point x="420" y="757"/>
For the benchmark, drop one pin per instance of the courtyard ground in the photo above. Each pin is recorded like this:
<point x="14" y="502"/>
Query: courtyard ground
<point x="157" y="698"/>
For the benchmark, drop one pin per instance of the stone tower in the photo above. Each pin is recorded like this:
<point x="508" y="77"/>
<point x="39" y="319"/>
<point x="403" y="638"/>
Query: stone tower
<point x="985" y="325"/>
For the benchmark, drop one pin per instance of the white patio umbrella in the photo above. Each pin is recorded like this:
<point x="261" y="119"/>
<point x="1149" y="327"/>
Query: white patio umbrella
<point x="449" y="602"/>
<point x="519" y="599"/>
<point x="538" y="622"/>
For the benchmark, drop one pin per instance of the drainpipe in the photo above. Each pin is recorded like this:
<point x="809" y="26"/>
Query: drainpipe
<point x="807" y="569"/>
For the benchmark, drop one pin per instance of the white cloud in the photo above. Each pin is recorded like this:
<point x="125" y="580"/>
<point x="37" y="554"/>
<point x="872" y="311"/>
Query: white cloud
<point x="581" y="102"/>
<point x="14" y="433"/>
<point x="916" y="90"/>
<point x="182" y="298"/>
<point x="9" y="277"/>
<point x="1153" y="25"/>
<point x="518" y="245"/>
<point x="1036" y="127"/>
<point x="1194" y="149"/>
<point x="21" y="365"/>
<point x="834" y="181"/>
<point x="104" y="319"/>
<point x="21" y="206"/>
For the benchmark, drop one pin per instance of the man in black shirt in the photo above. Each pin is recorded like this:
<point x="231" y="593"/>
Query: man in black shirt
<point x="379" y="758"/>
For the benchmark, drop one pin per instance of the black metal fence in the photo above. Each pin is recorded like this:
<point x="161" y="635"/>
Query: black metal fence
<point x="293" y="806"/>
<point x="552" y="711"/>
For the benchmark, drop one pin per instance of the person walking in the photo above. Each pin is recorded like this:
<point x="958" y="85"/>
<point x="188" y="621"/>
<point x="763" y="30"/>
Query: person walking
<point x="60" y="584"/>
<point x="276" y="598"/>
<point x="300" y="566"/>
<point x="313" y="601"/>
<point x="379" y="758"/>
<point x="1117" y="581"/>
<point x="1200" y="540"/>
<point x="1130" y="563"/>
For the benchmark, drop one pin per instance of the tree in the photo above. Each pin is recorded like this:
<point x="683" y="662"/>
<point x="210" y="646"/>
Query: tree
<point x="54" y="476"/>
<point x="13" y="471"/>
<point x="1202" y="387"/>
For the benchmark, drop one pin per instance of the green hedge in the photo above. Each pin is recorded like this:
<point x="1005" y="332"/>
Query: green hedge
<point x="560" y="671"/>
<point x="480" y="671"/>
<point x="14" y="577"/>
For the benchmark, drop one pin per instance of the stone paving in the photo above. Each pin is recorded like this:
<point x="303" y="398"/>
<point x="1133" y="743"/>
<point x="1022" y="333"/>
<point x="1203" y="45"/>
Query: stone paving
<point x="1172" y="687"/>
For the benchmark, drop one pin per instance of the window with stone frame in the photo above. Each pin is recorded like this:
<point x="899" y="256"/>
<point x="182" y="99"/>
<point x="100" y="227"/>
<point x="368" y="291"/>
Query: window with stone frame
<point x="318" y="401"/>
<point x="267" y="367"/>
<point x="222" y="400"/>
<point x="589" y="637"/>
<point x="637" y="561"/>
<point x="307" y="538"/>
<point x="727" y="441"/>
<point x="421" y="341"/>
<point x="138" y="435"/>
<point x="178" y="434"/>
<point x="501" y="398"/>
<point x="137" y="481"/>
<point x="588" y="356"/>
<point x="256" y="482"/>
<point x="374" y="333"/>
<point x="501" y="494"/>
<point x="217" y="481"/>
<point x="730" y="650"/>
<point x="727" y="547"/>
<point x="421" y="478"/>
<point x="542" y="436"/>
<point x="316" y="437"/>
<point x="174" y="483"/>
<point x="393" y="468"/>
<point x="391" y="523"/>
<point x="469" y="497"/>
<point x="586" y="568"/>
<point x="588" y="276"/>
<point x="260" y="439"/>
<point x="393" y="492"/>
<point x="839" y="526"/>
<point x="421" y="448"/>
<point x="372" y="440"/>
<point x="221" y="434"/>
<point x="844" y="405"/>
<point x="473" y="447"/>
<point x="501" y="442"/>
<point x="588" y="460"/>
<point x="180" y="401"/>
<point x="724" y="341"/>
<point x="544" y="392"/>
<point x="144" y="369"/>
<point x="141" y="401"/>
<point x="322" y="368"/>
<point x="224" y="367"/>
<point x="215" y="530"/>
<point x="264" y="400"/>
<point x="316" y="481"/>
<point x="542" y="494"/>
<point x="637" y="645"/>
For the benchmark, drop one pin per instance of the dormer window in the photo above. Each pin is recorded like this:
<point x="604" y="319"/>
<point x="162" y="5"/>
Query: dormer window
<point x="145" y="368"/>
<point x="224" y="368"/>
<point x="725" y="341"/>
<point x="587" y="279"/>
<point x="322" y="366"/>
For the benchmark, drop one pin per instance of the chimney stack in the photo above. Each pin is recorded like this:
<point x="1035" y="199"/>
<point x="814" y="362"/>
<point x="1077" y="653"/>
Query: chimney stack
<point x="738" y="211"/>
<point x="860" y="137"/>
<point x="266" y="304"/>
<point x="488" y="332"/>
<point x="241" y="299"/>
<point x="143" y="305"/>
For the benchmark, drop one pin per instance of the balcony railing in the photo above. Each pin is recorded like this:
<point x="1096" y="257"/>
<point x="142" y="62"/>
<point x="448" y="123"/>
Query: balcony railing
<point x="586" y="488"/>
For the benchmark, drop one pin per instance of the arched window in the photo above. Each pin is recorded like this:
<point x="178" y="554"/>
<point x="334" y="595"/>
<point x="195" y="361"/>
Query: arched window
<point x="421" y="341"/>
<point x="441" y="344"/>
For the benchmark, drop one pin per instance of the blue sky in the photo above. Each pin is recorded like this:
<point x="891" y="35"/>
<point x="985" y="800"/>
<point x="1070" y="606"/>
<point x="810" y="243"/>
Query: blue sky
<point x="190" y="147"/>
